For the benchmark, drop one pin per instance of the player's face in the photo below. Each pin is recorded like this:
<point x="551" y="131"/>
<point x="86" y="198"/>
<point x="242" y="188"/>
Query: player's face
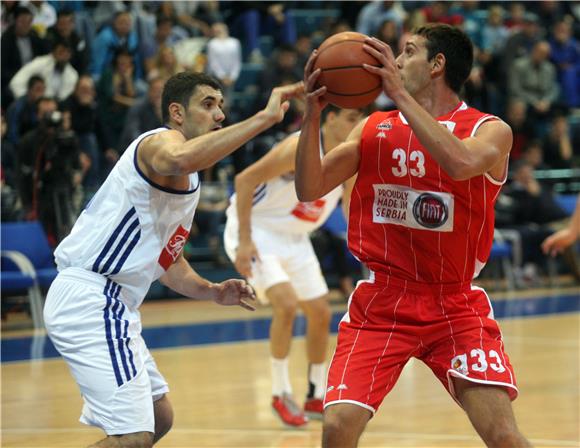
<point x="204" y="113"/>
<point x="414" y="66"/>
<point x="344" y="122"/>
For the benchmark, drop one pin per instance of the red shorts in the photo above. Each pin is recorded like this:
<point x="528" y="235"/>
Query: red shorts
<point x="389" y="320"/>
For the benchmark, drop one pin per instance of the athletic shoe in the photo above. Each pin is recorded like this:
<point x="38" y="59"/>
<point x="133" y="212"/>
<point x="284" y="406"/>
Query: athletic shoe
<point x="288" y="411"/>
<point x="314" y="408"/>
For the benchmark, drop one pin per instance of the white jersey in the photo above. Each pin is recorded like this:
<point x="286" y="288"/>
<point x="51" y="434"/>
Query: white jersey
<point x="276" y="207"/>
<point x="132" y="230"/>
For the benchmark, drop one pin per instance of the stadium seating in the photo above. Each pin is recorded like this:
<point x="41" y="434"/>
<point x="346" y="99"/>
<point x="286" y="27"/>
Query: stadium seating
<point x="27" y="263"/>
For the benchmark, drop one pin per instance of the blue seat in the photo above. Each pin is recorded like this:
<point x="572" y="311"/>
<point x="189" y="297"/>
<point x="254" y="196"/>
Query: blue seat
<point x="27" y="263"/>
<point x="503" y="252"/>
<point x="567" y="202"/>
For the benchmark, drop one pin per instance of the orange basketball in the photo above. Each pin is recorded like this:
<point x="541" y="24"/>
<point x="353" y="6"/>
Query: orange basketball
<point x="348" y="84"/>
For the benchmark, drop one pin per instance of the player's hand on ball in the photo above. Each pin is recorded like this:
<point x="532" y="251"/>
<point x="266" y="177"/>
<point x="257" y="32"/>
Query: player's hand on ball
<point x="389" y="72"/>
<point x="278" y="103"/>
<point x="315" y="101"/>
<point x="235" y="292"/>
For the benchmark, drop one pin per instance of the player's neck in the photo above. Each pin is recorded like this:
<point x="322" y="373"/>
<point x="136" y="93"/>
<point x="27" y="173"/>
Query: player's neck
<point x="437" y="102"/>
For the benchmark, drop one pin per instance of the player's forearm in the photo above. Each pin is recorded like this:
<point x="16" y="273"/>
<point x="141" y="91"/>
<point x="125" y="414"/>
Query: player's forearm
<point x="449" y="151"/>
<point x="181" y="278"/>
<point x="244" y="195"/>
<point x="308" y="174"/>
<point x="204" y="151"/>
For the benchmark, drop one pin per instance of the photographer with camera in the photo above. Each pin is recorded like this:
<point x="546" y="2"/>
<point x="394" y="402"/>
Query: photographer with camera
<point x="50" y="171"/>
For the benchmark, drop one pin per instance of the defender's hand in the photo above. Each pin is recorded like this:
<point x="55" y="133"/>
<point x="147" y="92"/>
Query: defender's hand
<point x="236" y="292"/>
<point x="278" y="103"/>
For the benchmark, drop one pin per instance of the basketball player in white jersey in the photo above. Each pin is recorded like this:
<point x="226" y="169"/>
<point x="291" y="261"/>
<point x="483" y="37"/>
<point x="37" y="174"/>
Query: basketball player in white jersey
<point x="267" y="238"/>
<point x="131" y="234"/>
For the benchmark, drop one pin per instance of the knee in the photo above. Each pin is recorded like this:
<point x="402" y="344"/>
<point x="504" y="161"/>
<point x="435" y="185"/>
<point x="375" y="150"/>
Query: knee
<point x="319" y="313"/>
<point x="333" y="429"/>
<point x="286" y="312"/>
<point x="163" y="417"/>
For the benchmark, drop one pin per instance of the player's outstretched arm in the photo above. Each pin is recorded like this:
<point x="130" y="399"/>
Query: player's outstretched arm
<point x="170" y="154"/>
<point x="279" y="160"/>
<point x="181" y="278"/>
<point x="557" y="242"/>
<point x="314" y="178"/>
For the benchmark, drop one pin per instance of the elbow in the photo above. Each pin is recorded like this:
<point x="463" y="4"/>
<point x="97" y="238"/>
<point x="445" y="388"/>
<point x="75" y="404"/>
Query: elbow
<point x="304" y="195"/>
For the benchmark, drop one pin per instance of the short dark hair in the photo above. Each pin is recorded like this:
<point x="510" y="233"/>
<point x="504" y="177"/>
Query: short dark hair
<point x="455" y="46"/>
<point x="21" y="11"/>
<point x="328" y="109"/>
<point x="33" y="80"/>
<point x="180" y="87"/>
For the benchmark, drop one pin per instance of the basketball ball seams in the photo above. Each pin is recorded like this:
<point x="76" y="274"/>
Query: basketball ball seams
<point x="347" y="67"/>
<point x="340" y="42"/>
<point x="354" y="94"/>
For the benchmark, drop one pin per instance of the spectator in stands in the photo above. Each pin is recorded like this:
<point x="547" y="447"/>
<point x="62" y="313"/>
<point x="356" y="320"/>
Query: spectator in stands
<point x="165" y="64"/>
<point x="55" y="68"/>
<point x="166" y="35"/>
<point x="557" y="143"/>
<point x="375" y="13"/>
<point x="493" y="38"/>
<point x="145" y="114"/>
<point x="251" y="19"/>
<point x="116" y="94"/>
<point x="224" y="57"/>
<point x="21" y="115"/>
<point x="283" y="68"/>
<point x="9" y="171"/>
<point x="439" y="12"/>
<point x="534" y="155"/>
<point x="414" y="20"/>
<point x="532" y="79"/>
<point x="8" y="9"/>
<point x="111" y="39"/>
<point x="565" y="54"/>
<point x="50" y="175"/>
<point x="519" y="44"/>
<point x="196" y="17"/>
<point x="20" y="45"/>
<point x="10" y="205"/>
<point x="82" y="107"/>
<point x="515" y="21"/>
<point x="535" y="210"/>
<point x="64" y="30"/>
<point x="523" y="131"/>
<point x="303" y="49"/>
<point x="389" y="33"/>
<point x="44" y="15"/>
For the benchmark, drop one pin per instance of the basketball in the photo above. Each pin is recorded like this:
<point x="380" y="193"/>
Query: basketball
<point x="348" y="84"/>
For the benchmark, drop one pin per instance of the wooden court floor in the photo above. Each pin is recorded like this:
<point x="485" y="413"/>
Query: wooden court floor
<point x="221" y="392"/>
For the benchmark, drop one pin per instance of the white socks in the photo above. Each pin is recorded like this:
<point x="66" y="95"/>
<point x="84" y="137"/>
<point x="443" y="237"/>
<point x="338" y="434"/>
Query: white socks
<point x="280" y="377"/>
<point x="317" y="378"/>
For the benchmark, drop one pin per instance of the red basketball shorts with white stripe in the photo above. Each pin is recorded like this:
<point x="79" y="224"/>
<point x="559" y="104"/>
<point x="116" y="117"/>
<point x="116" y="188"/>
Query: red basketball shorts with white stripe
<point x="451" y="329"/>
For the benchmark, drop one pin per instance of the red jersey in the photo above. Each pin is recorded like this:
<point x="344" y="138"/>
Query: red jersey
<point x="408" y="218"/>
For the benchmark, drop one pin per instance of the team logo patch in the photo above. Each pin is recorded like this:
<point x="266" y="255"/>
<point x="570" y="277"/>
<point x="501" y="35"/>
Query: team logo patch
<point x="430" y="211"/>
<point x="385" y="125"/>
<point x="404" y="206"/>
<point x="459" y="364"/>
<point x="173" y="247"/>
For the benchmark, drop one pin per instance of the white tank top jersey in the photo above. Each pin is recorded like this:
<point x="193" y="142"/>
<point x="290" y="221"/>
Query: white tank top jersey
<point x="276" y="207"/>
<point x="132" y="230"/>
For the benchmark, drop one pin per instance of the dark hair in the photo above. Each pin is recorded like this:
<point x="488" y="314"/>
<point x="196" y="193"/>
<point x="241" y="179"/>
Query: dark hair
<point x="329" y="108"/>
<point x="45" y="99"/>
<point x="33" y="80"/>
<point x="22" y="10"/>
<point x="180" y="87"/>
<point x="455" y="46"/>
<point x="64" y="13"/>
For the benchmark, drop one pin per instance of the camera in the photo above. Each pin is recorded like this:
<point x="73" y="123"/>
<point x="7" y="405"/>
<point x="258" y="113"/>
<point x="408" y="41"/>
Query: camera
<point x="52" y="119"/>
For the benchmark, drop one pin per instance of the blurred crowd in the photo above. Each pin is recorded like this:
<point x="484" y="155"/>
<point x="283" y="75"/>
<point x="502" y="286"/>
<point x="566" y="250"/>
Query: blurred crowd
<point x="81" y="79"/>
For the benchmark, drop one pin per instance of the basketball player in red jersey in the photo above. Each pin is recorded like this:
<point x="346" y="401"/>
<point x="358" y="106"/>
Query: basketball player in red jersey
<point x="421" y="219"/>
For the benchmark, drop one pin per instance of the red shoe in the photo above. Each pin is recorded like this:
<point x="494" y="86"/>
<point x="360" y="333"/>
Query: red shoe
<point x="314" y="408"/>
<point x="288" y="411"/>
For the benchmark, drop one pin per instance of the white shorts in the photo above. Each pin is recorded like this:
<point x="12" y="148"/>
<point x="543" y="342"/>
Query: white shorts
<point x="100" y="339"/>
<point x="285" y="258"/>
